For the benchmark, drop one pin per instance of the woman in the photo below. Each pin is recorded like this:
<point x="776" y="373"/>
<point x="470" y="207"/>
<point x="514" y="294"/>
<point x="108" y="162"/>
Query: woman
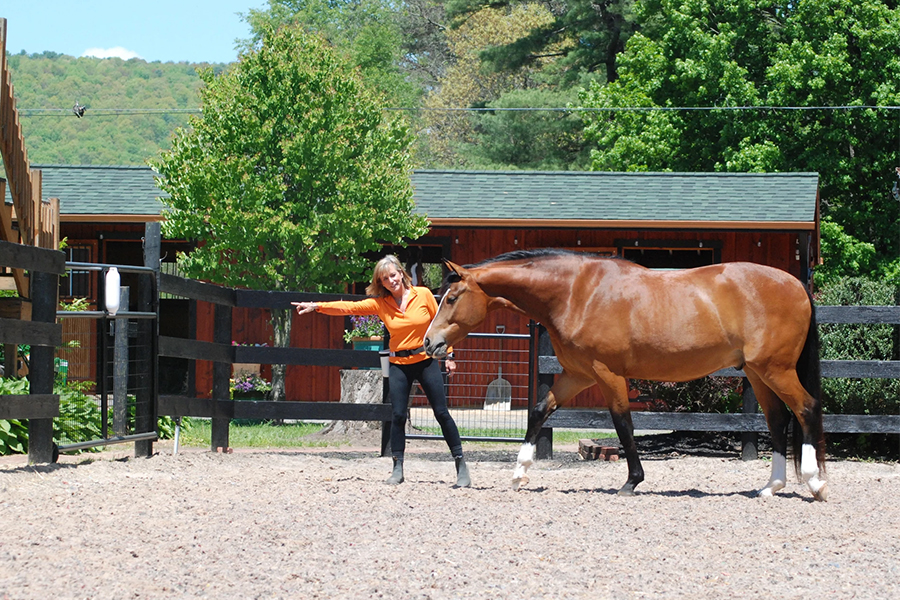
<point x="406" y="311"/>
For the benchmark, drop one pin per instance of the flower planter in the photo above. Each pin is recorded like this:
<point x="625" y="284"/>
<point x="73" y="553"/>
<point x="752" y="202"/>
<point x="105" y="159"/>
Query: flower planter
<point x="371" y="344"/>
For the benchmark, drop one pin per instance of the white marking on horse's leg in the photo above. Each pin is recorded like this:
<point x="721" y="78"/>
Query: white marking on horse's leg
<point x="779" y="475"/>
<point x="525" y="460"/>
<point x="809" y="473"/>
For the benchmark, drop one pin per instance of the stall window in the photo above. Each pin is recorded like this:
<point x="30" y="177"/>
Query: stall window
<point x="671" y="254"/>
<point x="77" y="283"/>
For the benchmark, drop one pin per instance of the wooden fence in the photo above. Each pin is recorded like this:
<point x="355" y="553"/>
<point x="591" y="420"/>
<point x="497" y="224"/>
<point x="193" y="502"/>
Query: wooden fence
<point x="223" y="354"/>
<point x="43" y="334"/>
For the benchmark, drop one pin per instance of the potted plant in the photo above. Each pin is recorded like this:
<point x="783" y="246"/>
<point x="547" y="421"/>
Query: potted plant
<point x="366" y="333"/>
<point x="249" y="386"/>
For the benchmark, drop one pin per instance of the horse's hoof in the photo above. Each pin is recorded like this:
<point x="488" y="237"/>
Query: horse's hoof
<point x="626" y="491"/>
<point x="519" y="482"/>
<point x="822" y="494"/>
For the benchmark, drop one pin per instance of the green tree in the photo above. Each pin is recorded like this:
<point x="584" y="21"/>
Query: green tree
<point x="290" y="175"/>
<point x="369" y="33"/>
<point x="541" y="140"/>
<point x="734" y="53"/>
<point x="585" y="36"/>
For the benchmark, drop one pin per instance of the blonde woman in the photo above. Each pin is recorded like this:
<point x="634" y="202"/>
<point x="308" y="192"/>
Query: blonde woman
<point x="406" y="311"/>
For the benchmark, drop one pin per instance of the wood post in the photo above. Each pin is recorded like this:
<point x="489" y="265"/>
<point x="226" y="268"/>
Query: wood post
<point x="749" y="439"/>
<point x="221" y="380"/>
<point x="44" y="288"/>
<point x="544" y="446"/>
<point x="147" y="351"/>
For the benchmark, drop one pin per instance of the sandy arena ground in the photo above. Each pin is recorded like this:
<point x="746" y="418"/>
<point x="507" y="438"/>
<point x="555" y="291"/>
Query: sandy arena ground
<point x="319" y="523"/>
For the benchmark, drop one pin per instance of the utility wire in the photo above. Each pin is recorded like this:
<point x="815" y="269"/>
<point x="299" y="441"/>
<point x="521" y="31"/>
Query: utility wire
<point x="98" y="112"/>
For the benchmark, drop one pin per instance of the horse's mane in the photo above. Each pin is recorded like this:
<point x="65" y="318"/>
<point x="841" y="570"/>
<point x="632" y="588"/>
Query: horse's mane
<point x="539" y="254"/>
<point x="534" y="255"/>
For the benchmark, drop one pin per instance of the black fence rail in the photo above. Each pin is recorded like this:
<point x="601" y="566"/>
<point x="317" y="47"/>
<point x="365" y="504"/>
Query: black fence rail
<point x="43" y="334"/>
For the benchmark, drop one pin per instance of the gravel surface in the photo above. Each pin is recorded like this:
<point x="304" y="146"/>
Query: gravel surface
<point x="319" y="523"/>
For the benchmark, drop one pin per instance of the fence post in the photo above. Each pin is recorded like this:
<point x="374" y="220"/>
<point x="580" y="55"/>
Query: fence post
<point x="544" y="446"/>
<point x="386" y="399"/>
<point x="147" y="353"/>
<point x="749" y="439"/>
<point x="120" y="367"/>
<point x="221" y="379"/>
<point x="44" y="288"/>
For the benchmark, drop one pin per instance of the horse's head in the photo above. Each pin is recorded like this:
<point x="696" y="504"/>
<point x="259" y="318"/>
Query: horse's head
<point x="463" y="308"/>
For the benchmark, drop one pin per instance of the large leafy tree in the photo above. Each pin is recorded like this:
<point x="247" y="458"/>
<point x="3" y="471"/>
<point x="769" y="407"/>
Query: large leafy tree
<point x="585" y="36"/>
<point x="369" y="34"/>
<point x="290" y="175"/>
<point x="466" y="84"/>
<point x="743" y="53"/>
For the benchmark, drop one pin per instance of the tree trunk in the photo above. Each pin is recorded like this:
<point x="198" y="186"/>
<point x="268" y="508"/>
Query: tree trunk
<point x="281" y="324"/>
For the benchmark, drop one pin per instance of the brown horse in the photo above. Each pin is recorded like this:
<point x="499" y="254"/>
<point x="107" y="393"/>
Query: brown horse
<point x="611" y="320"/>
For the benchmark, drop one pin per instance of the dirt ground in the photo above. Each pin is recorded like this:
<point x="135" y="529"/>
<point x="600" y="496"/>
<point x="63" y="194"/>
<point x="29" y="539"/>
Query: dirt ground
<point x="319" y="523"/>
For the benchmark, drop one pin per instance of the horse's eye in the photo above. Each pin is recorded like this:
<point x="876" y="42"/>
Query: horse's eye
<point x="451" y="299"/>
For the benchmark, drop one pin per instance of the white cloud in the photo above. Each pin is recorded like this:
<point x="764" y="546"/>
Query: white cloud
<point x="117" y="52"/>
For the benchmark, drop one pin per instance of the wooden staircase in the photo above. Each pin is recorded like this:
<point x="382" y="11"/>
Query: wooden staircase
<point x="28" y="220"/>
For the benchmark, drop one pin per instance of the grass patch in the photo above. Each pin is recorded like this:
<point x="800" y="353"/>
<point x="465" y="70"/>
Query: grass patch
<point x="199" y="431"/>
<point x="560" y="436"/>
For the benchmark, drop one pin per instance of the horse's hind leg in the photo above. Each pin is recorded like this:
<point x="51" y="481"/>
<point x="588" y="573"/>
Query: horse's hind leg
<point x="786" y="384"/>
<point x="777" y="418"/>
<point x="564" y="389"/>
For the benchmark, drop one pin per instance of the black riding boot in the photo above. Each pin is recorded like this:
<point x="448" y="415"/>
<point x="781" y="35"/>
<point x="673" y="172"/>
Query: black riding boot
<point x="462" y="473"/>
<point x="396" y="477"/>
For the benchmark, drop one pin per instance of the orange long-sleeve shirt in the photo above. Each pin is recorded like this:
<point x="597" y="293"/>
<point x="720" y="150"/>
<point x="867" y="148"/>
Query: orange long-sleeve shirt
<point x="407" y="328"/>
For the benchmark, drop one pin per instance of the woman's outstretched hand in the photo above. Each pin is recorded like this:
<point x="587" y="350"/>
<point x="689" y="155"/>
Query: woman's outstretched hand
<point x="304" y="307"/>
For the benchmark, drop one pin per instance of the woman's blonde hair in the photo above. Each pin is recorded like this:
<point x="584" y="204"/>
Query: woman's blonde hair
<point x="375" y="288"/>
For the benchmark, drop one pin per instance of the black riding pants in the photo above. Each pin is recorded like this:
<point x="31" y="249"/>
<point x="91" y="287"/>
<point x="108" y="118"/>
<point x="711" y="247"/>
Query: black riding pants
<point x="428" y="374"/>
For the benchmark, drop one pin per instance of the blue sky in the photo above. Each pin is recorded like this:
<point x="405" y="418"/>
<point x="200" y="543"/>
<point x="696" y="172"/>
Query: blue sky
<point x="164" y="30"/>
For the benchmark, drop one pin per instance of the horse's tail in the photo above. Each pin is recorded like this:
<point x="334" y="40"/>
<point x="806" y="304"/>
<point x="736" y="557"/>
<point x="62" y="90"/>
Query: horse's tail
<point x="810" y="374"/>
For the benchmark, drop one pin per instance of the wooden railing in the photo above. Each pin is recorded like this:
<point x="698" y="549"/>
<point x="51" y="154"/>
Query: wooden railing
<point x="38" y="222"/>
<point x="43" y="334"/>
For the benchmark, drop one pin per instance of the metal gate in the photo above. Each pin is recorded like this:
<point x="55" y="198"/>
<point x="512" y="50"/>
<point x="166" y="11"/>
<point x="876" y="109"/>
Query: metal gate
<point x="107" y="362"/>
<point x="490" y="394"/>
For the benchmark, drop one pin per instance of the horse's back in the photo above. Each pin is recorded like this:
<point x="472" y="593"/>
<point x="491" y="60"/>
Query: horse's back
<point x="678" y="325"/>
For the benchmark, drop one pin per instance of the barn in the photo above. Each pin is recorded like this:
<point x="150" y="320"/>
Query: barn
<point x="660" y="220"/>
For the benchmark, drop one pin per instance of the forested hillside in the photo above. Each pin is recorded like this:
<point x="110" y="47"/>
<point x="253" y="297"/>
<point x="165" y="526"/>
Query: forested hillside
<point x="132" y="106"/>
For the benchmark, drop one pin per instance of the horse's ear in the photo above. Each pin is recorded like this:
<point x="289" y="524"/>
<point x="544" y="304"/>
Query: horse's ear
<point x="456" y="272"/>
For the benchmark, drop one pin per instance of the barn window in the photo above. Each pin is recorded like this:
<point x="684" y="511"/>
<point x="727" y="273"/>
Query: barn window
<point x="671" y="254"/>
<point x="77" y="283"/>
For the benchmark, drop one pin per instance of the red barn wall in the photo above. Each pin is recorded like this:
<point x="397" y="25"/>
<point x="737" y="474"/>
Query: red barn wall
<point x="466" y="246"/>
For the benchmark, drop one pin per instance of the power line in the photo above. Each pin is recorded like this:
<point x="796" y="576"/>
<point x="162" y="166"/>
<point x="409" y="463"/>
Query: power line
<point x="105" y="112"/>
<point x="99" y="112"/>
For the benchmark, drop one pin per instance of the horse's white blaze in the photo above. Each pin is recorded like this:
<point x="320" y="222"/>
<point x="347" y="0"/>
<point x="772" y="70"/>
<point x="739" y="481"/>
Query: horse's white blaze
<point x="525" y="460"/>
<point x="440" y="306"/>
<point x="779" y="475"/>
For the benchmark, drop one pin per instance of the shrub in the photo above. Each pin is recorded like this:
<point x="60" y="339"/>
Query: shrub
<point x="706" y="395"/>
<point x="858" y="342"/>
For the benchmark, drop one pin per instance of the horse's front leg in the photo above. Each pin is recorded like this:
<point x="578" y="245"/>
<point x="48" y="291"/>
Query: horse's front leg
<point x="615" y="390"/>
<point x="564" y="388"/>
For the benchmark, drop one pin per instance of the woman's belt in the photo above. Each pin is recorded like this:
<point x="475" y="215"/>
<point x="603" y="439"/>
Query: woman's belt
<point x="405" y="353"/>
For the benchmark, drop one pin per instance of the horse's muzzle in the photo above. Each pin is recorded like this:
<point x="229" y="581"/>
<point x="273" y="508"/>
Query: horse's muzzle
<point x="435" y="348"/>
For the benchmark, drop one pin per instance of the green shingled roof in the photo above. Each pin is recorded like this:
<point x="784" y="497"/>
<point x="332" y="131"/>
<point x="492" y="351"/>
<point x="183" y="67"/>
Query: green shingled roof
<point x="101" y="190"/>
<point x="503" y="195"/>
<point x="597" y="196"/>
